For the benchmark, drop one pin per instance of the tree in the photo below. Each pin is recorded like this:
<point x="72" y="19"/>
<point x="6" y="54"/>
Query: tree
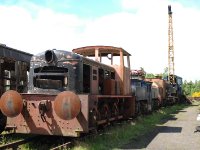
<point x="189" y="88"/>
<point x="165" y="73"/>
<point x="150" y="75"/>
<point x="142" y="70"/>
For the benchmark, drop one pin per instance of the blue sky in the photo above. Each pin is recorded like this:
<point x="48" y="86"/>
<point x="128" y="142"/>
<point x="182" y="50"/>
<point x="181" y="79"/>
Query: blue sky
<point x="138" y="26"/>
<point x="83" y="8"/>
<point x="189" y="3"/>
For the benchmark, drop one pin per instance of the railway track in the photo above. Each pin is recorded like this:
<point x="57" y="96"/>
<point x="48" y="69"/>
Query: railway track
<point x="14" y="145"/>
<point x="5" y="135"/>
<point x="62" y="142"/>
<point x="70" y="142"/>
<point x="63" y="146"/>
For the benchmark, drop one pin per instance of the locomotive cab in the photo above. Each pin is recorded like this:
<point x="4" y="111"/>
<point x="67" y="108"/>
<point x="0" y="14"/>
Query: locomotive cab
<point x="175" y="89"/>
<point x="117" y="69"/>
<point x="142" y="90"/>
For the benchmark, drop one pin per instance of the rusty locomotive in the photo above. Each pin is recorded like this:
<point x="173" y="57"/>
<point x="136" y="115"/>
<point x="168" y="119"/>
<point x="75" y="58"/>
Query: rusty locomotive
<point x="70" y="93"/>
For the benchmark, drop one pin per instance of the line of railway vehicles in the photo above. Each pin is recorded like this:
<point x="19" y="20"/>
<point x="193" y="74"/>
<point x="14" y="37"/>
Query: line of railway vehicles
<point x="69" y="93"/>
<point x="152" y="93"/>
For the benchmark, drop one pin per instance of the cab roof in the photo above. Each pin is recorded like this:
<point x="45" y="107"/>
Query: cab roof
<point x="103" y="50"/>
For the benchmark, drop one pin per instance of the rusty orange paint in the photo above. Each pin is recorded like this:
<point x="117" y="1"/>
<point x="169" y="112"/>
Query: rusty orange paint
<point x="11" y="103"/>
<point x="67" y="105"/>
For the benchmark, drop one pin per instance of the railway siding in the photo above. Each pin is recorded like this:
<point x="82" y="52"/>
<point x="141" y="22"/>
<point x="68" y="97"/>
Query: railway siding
<point x="131" y="132"/>
<point x="177" y="133"/>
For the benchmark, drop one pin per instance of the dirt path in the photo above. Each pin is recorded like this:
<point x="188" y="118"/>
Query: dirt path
<point x="176" y="134"/>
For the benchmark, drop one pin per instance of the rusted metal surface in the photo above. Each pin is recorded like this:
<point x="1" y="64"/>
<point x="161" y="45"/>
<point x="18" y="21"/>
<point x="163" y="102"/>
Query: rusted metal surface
<point x="53" y="71"/>
<point x="11" y="53"/>
<point x="109" y="87"/>
<point x="127" y="82"/>
<point x="67" y="105"/>
<point x="125" y="104"/>
<point x="122" y="72"/>
<point x="31" y="120"/>
<point x="123" y="79"/>
<point x="155" y="93"/>
<point x="11" y="103"/>
<point x="94" y="80"/>
<point x="161" y="85"/>
<point x="104" y="50"/>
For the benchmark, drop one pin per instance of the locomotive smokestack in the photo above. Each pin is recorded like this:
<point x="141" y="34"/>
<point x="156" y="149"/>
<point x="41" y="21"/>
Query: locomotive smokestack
<point x="49" y="56"/>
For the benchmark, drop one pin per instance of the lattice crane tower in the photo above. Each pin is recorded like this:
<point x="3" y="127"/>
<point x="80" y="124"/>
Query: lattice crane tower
<point x="170" y="48"/>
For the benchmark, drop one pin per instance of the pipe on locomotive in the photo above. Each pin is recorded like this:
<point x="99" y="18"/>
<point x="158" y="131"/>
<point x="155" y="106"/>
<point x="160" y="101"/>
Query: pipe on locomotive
<point x="49" y="56"/>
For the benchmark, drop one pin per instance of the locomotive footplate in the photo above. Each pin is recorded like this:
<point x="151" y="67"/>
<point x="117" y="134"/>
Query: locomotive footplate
<point x="38" y="116"/>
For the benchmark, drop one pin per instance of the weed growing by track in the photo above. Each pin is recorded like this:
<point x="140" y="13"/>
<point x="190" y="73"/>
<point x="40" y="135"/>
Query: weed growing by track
<point x="118" y="135"/>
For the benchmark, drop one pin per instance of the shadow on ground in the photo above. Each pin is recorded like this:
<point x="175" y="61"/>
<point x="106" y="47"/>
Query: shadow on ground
<point x="143" y="141"/>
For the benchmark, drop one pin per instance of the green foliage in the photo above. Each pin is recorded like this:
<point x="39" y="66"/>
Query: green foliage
<point x="191" y="87"/>
<point x="165" y="73"/>
<point x="162" y="75"/>
<point x="150" y="75"/>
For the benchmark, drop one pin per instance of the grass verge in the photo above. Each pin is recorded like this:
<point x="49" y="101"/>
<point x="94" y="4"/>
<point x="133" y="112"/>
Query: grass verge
<point x="116" y="136"/>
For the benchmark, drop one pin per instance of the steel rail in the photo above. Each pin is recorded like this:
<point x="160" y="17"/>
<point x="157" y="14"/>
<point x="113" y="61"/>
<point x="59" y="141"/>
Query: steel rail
<point x="65" y="145"/>
<point x="16" y="144"/>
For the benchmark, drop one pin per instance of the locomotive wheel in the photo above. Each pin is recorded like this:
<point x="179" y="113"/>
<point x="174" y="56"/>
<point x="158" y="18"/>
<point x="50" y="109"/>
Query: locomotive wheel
<point x="138" y="110"/>
<point x="3" y="120"/>
<point x="105" y="111"/>
<point x="115" y="110"/>
<point x="95" y="117"/>
<point x="155" y="104"/>
<point x="144" y="107"/>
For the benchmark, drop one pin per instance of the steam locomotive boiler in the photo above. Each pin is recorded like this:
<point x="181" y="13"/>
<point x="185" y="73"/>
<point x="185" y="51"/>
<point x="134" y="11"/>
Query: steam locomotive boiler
<point x="69" y="93"/>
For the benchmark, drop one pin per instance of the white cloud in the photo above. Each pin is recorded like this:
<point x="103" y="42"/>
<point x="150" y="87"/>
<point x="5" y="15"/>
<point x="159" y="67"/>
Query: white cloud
<point x="19" y="29"/>
<point x="142" y="32"/>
